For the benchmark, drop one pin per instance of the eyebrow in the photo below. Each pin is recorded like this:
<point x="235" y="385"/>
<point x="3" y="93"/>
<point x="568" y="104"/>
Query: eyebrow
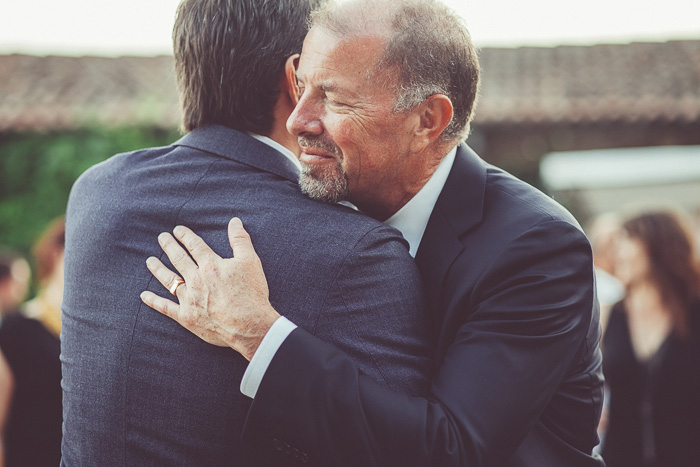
<point x="323" y="87"/>
<point x="326" y="87"/>
<point x="330" y="87"/>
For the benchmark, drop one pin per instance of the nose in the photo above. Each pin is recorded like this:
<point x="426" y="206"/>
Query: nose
<point x="305" y="119"/>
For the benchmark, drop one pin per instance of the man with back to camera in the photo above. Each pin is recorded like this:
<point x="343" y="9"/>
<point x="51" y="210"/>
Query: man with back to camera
<point x="138" y="388"/>
<point x="386" y="99"/>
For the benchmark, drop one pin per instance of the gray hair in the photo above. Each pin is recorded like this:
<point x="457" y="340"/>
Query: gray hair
<point x="428" y="46"/>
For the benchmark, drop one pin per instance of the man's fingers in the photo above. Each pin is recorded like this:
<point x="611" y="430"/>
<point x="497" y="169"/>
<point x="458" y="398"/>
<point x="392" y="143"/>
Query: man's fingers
<point x="241" y="245"/>
<point x="165" y="276"/>
<point x="163" y="305"/>
<point x="177" y="255"/>
<point x="197" y="247"/>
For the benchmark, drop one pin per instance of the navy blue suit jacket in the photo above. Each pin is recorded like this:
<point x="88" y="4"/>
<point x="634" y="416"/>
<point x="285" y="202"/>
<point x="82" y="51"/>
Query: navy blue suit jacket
<point x="514" y="318"/>
<point x="141" y="390"/>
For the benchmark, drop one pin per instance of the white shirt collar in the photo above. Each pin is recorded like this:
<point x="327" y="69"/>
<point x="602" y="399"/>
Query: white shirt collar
<point x="275" y="145"/>
<point x="413" y="217"/>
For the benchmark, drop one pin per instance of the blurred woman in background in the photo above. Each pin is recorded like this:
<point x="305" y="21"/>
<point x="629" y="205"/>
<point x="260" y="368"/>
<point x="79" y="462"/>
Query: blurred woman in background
<point x="48" y="254"/>
<point x="14" y="283"/>
<point x="652" y="347"/>
<point x="29" y="341"/>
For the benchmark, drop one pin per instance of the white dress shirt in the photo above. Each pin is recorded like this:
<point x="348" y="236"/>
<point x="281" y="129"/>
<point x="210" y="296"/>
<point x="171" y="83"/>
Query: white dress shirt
<point x="410" y="220"/>
<point x="275" y="145"/>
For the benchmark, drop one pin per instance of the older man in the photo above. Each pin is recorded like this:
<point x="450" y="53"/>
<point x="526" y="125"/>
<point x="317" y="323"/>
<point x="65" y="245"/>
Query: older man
<point x="387" y="93"/>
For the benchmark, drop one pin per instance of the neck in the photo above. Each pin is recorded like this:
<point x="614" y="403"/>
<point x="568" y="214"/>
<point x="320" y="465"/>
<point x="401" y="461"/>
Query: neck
<point x="283" y="137"/>
<point x="645" y="295"/>
<point x="389" y="201"/>
<point x="279" y="133"/>
<point x="392" y="202"/>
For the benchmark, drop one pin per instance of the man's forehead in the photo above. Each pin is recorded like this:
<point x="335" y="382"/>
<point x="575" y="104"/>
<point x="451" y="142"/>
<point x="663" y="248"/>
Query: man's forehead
<point x="326" y="53"/>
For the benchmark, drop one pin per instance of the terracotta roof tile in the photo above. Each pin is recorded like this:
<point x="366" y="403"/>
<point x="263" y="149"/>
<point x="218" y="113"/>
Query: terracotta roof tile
<point x="602" y="83"/>
<point x="66" y="92"/>
<point x="632" y="82"/>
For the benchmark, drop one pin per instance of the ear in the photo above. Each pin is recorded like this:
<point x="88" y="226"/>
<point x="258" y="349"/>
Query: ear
<point x="290" y="74"/>
<point x="434" y="114"/>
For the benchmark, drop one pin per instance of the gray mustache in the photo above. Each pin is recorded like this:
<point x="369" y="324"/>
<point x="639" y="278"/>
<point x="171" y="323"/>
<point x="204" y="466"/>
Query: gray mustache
<point x="319" y="143"/>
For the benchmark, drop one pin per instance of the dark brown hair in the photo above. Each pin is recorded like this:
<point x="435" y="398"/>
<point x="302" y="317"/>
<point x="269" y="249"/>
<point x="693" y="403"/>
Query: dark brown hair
<point x="670" y="245"/>
<point x="48" y="249"/>
<point x="230" y="56"/>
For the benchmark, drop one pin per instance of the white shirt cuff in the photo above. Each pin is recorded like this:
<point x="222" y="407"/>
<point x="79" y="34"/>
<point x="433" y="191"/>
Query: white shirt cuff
<point x="262" y="357"/>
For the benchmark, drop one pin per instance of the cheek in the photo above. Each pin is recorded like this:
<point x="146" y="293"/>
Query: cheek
<point x="622" y="261"/>
<point x="352" y="139"/>
<point x="367" y="143"/>
<point x="643" y="266"/>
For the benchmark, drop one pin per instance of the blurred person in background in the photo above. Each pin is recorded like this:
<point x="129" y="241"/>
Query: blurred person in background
<point x="652" y="347"/>
<point x="14" y="283"/>
<point x="48" y="253"/>
<point x="30" y="343"/>
<point x="6" y="387"/>
<point x="603" y="233"/>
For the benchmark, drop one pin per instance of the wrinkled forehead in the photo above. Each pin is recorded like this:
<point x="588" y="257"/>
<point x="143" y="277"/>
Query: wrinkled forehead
<point x="352" y="56"/>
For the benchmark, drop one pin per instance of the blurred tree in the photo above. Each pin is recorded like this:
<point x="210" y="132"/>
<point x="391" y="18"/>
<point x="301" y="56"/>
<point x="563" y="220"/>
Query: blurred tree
<point x="37" y="171"/>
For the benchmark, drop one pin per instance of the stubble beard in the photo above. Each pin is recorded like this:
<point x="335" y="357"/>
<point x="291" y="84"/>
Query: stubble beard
<point x="328" y="183"/>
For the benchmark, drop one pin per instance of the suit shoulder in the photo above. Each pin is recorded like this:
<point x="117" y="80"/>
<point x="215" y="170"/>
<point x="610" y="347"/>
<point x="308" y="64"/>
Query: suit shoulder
<point x="522" y="202"/>
<point x="516" y="213"/>
<point x="344" y="221"/>
<point x="116" y="163"/>
<point x="116" y="166"/>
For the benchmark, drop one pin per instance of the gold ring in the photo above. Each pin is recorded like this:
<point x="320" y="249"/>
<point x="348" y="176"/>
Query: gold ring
<point x="177" y="282"/>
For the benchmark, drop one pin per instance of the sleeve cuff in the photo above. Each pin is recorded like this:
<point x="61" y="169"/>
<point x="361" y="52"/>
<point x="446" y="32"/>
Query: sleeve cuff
<point x="262" y="357"/>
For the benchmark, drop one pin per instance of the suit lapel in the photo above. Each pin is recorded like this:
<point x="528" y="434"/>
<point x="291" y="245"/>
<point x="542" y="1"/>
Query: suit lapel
<point x="459" y="207"/>
<point x="240" y="147"/>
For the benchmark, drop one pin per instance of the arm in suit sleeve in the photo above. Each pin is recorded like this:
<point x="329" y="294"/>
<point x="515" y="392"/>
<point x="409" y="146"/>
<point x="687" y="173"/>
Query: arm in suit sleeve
<point x="373" y="317"/>
<point x="374" y="313"/>
<point x="523" y="325"/>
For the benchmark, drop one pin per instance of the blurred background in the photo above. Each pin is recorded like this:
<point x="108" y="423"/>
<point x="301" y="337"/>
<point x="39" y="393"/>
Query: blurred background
<point x="597" y="102"/>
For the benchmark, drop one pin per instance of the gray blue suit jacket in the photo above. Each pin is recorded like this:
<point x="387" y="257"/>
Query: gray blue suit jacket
<point x="141" y="390"/>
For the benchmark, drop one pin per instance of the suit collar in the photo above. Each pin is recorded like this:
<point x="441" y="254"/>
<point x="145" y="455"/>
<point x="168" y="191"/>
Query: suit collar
<point x="240" y="147"/>
<point x="412" y="219"/>
<point x="462" y="200"/>
<point x="458" y="209"/>
<point x="461" y="203"/>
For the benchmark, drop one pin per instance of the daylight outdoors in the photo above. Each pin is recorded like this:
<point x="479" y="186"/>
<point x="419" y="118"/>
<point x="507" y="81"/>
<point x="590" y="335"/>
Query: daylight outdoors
<point x="595" y="103"/>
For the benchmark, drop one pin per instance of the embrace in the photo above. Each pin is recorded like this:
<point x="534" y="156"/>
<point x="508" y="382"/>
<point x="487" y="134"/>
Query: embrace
<point x="341" y="280"/>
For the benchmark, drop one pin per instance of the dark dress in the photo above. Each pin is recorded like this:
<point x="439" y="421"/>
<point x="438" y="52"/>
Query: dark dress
<point x="33" y="432"/>
<point x="654" y="411"/>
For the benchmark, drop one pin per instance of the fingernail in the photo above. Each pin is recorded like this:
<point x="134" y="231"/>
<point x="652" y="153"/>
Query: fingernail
<point x="162" y="237"/>
<point x="150" y="261"/>
<point x="178" y="230"/>
<point x="236" y="221"/>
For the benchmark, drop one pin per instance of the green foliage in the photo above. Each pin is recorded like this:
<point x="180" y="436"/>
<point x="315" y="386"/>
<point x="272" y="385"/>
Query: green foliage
<point x="37" y="171"/>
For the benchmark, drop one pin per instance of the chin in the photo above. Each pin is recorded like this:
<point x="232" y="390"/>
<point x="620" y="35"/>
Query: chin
<point x="328" y="186"/>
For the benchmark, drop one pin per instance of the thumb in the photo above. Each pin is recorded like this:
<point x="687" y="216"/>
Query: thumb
<point x="239" y="239"/>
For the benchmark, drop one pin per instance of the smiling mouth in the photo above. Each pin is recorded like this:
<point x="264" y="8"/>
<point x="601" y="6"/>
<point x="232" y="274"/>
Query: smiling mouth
<point x="311" y="155"/>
